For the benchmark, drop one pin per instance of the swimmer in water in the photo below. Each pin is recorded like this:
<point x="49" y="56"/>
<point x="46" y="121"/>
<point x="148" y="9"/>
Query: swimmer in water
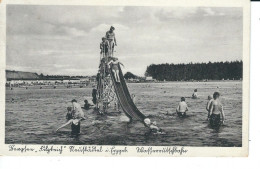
<point x="133" y="98"/>
<point x="75" y="125"/>
<point x="182" y="108"/>
<point x="77" y="109"/>
<point x="74" y="119"/>
<point x="87" y="105"/>
<point x="69" y="113"/>
<point x="210" y="99"/>
<point x="152" y="126"/>
<point x="216" y="110"/>
<point x="195" y="94"/>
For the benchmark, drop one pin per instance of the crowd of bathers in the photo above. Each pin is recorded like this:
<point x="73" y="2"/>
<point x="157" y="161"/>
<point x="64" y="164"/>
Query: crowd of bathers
<point x="215" y="112"/>
<point x="75" y="114"/>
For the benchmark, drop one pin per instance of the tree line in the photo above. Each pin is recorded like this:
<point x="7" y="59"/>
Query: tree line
<point x="129" y="75"/>
<point x="59" y="77"/>
<point x="196" y="71"/>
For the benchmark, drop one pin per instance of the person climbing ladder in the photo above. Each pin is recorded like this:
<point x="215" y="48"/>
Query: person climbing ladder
<point x="104" y="47"/>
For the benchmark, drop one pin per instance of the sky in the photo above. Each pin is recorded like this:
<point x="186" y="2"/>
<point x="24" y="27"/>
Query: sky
<point x="64" y="40"/>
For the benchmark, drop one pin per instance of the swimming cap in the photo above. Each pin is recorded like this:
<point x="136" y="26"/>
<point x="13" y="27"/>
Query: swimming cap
<point x="147" y="121"/>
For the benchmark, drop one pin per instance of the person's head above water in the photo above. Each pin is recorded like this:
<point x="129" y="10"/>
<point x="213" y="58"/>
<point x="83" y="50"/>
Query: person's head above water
<point x="183" y="99"/>
<point x="69" y="108"/>
<point x="216" y="95"/>
<point x="195" y="90"/>
<point x="209" y="97"/>
<point x="74" y="100"/>
<point x="147" y="121"/>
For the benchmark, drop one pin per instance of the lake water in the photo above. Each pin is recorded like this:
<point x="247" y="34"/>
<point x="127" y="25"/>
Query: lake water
<point x="36" y="113"/>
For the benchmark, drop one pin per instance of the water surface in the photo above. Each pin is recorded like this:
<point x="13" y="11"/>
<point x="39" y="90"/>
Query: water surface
<point x="36" y="113"/>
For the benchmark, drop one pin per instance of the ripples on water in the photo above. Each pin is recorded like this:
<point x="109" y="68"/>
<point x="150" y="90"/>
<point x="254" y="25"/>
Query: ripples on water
<point x="35" y="115"/>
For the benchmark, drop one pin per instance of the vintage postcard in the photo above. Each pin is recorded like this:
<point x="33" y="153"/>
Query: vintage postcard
<point x="117" y="78"/>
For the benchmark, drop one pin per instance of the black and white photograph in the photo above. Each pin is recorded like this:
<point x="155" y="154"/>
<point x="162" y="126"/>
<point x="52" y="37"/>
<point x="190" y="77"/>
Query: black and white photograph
<point x="126" y="75"/>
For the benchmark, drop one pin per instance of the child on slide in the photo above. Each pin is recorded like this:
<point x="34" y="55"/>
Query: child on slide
<point x="114" y="65"/>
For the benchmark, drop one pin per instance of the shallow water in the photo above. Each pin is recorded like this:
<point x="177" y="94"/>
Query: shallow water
<point x="35" y="114"/>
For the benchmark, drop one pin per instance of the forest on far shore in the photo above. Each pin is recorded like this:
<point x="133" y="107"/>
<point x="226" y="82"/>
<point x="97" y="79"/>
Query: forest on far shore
<point x="196" y="71"/>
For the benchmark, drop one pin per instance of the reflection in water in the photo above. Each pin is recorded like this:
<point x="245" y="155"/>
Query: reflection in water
<point x="34" y="115"/>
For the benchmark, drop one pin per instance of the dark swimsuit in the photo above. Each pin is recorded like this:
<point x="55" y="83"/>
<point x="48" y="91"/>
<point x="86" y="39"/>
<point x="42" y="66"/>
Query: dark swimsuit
<point x="86" y="106"/>
<point x="181" y="114"/>
<point x="215" y="120"/>
<point x="69" y="116"/>
<point x="75" y="129"/>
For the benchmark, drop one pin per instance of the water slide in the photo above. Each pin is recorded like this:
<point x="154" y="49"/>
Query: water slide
<point x="124" y="97"/>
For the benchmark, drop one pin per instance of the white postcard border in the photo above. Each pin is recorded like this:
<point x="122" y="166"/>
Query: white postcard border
<point x="163" y="151"/>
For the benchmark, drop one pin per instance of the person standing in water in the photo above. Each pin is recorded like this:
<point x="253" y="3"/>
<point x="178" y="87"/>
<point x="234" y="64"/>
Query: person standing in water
<point x="210" y="99"/>
<point x="77" y="109"/>
<point x="195" y="94"/>
<point x="182" y="108"/>
<point x="69" y="113"/>
<point x="74" y="116"/>
<point x="133" y="98"/>
<point x="216" y="110"/>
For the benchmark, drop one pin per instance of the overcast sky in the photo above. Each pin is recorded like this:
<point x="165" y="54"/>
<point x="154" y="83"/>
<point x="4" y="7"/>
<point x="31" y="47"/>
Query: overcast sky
<point x="64" y="40"/>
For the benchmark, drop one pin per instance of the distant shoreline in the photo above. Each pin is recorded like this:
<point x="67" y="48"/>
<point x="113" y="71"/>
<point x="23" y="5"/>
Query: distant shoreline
<point x="189" y="81"/>
<point x="91" y="86"/>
